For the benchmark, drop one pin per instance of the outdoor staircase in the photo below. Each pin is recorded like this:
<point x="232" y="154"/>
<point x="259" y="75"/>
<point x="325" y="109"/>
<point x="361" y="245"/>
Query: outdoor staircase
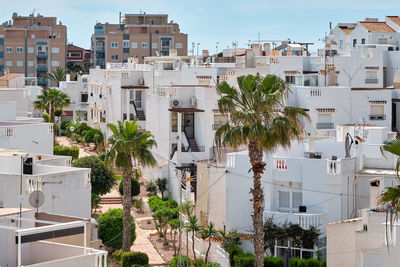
<point x="140" y="115"/>
<point x="193" y="145"/>
<point x="111" y="200"/>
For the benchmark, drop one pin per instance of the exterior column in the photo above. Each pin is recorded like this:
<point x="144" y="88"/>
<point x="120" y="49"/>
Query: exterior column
<point x="179" y="151"/>
<point x="128" y="107"/>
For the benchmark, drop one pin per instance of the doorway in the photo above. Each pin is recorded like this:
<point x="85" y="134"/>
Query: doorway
<point x="188" y="124"/>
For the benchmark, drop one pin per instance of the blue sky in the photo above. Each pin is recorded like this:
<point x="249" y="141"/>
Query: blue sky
<point x="208" y="22"/>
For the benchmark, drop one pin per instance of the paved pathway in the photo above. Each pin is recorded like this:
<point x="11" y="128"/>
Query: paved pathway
<point x="64" y="141"/>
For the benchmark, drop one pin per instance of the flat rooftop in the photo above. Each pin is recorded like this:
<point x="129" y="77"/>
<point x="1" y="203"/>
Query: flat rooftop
<point x="11" y="211"/>
<point x="16" y="123"/>
<point x="10" y="76"/>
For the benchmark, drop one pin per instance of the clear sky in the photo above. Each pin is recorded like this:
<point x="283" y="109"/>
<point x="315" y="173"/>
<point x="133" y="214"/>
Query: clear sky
<point x="208" y="22"/>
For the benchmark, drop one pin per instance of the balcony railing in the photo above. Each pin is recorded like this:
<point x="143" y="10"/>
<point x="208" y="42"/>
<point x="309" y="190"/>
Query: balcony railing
<point x="371" y="80"/>
<point x="325" y="125"/>
<point x="280" y="164"/>
<point x="41" y="54"/>
<point x="188" y="149"/>
<point x="100" y="48"/>
<point x="381" y="117"/>
<point x="305" y="220"/>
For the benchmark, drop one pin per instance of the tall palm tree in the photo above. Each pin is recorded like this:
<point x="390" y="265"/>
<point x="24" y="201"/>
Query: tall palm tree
<point x="128" y="145"/>
<point x="193" y="227"/>
<point x="50" y="100"/>
<point x="258" y="118"/>
<point x="209" y="232"/>
<point x="391" y="195"/>
<point x="57" y="75"/>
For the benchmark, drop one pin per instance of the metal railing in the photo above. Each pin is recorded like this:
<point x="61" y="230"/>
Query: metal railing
<point x="381" y="117"/>
<point x="325" y="125"/>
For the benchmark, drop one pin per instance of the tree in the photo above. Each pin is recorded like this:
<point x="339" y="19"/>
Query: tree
<point x="194" y="228"/>
<point x="102" y="178"/>
<point x="57" y="75"/>
<point x="209" y="232"/>
<point x="50" y="100"/>
<point x="95" y="202"/>
<point x="94" y="136"/>
<point x="129" y="144"/>
<point x="162" y="185"/>
<point x="174" y="224"/>
<point x="258" y="118"/>
<point x="187" y="208"/>
<point x="391" y="196"/>
<point x="151" y="188"/>
<point x="135" y="188"/>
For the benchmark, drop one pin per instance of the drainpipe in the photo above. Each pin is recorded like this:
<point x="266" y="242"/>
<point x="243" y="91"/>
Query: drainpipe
<point x="150" y="43"/>
<point x="355" y="196"/>
<point x="26" y="56"/>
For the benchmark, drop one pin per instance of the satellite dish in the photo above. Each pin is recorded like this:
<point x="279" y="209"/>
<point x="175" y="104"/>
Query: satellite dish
<point x="36" y="199"/>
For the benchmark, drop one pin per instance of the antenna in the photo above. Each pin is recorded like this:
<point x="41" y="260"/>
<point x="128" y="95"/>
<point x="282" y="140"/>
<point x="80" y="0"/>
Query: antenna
<point x="36" y="199"/>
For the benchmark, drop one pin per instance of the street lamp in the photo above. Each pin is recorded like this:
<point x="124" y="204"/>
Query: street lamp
<point x="186" y="224"/>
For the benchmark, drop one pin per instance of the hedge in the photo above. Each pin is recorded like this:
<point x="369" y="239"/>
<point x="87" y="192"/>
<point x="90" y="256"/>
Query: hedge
<point x="135" y="187"/>
<point x="129" y="259"/>
<point x="296" y="262"/>
<point x="64" y="125"/>
<point x="66" y="151"/>
<point x="174" y="261"/>
<point x="233" y="251"/>
<point x="90" y="136"/>
<point x="110" y="228"/>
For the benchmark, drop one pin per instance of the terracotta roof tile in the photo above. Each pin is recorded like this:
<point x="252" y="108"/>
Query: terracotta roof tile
<point x="10" y="76"/>
<point x="395" y="19"/>
<point x="374" y="26"/>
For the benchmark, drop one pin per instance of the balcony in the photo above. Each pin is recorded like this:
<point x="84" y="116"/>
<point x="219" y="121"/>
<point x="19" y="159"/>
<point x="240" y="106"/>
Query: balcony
<point x="371" y="81"/>
<point x="381" y="117"/>
<point x="325" y="125"/>
<point x="305" y="220"/>
<point x="42" y="82"/>
<point x="100" y="49"/>
<point x="42" y="54"/>
<point x="42" y="67"/>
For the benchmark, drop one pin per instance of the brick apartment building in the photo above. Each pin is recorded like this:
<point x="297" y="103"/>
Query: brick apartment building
<point x="32" y="45"/>
<point x="78" y="56"/>
<point x="137" y="35"/>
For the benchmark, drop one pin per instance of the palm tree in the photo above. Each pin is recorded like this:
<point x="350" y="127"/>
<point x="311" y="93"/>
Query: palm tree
<point x="258" y="118"/>
<point x="209" y="232"/>
<point x="128" y="145"/>
<point x="391" y="196"/>
<point x="50" y="100"/>
<point x="57" y="75"/>
<point x="193" y="227"/>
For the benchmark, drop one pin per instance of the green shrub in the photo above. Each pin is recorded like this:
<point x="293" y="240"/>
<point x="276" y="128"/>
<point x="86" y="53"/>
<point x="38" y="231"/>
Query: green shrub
<point x="46" y="117"/>
<point x="110" y="228"/>
<point x="64" y="125"/>
<point x="211" y="264"/>
<point x="230" y="239"/>
<point x="296" y="262"/>
<point x="117" y="255"/>
<point x="323" y="263"/>
<point x="56" y="129"/>
<point x="174" y="261"/>
<point x="233" y="251"/>
<point x="244" y="260"/>
<point x="102" y="157"/>
<point x="66" y="151"/>
<point x="139" y="204"/>
<point x="131" y="258"/>
<point x="151" y="188"/>
<point x="135" y="187"/>
<point x="273" y="262"/>
<point x="101" y="177"/>
<point x="94" y="136"/>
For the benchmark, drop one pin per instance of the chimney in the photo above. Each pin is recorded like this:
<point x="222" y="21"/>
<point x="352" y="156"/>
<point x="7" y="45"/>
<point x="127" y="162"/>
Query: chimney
<point x="375" y="190"/>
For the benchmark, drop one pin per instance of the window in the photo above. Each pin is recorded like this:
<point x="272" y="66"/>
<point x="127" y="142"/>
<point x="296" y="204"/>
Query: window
<point x="134" y="44"/>
<point x="144" y="45"/>
<point x="55" y="63"/>
<point x="135" y="96"/>
<point x="341" y="44"/>
<point x="9" y="50"/>
<point x="174" y="122"/>
<point x="114" y="57"/>
<point x="55" y="50"/>
<point x="290" y="201"/>
<point x="354" y="42"/>
<point x="377" y="112"/>
<point x="33" y="36"/>
<point x="20" y="63"/>
<point x="114" y="45"/>
<point x="178" y="45"/>
<point x="382" y="40"/>
<point x="363" y="41"/>
<point x="157" y="31"/>
<point x="126" y="43"/>
<point x="20" y="50"/>
<point x="74" y="54"/>
<point x="290" y="79"/>
<point x="371" y="76"/>
<point x="155" y="45"/>
<point x="31" y="50"/>
<point x="9" y="63"/>
<point x="166" y="44"/>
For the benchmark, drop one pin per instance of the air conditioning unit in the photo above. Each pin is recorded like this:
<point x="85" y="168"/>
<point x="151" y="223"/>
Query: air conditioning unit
<point x="175" y="103"/>
<point x="193" y="102"/>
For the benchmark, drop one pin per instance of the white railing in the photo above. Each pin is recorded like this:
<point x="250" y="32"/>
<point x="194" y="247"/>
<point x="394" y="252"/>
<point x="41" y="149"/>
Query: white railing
<point x="315" y="92"/>
<point x="280" y="164"/>
<point x="100" y="257"/>
<point x="305" y="220"/>
<point x="333" y="167"/>
<point x="8" y="132"/>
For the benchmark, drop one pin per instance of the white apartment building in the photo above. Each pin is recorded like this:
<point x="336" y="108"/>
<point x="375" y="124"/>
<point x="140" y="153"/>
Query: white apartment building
<point x="30" y="134"/>
<point x="62" y="187"/>
<point x="78" y="92"/>
<point x="26" y="240"/>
